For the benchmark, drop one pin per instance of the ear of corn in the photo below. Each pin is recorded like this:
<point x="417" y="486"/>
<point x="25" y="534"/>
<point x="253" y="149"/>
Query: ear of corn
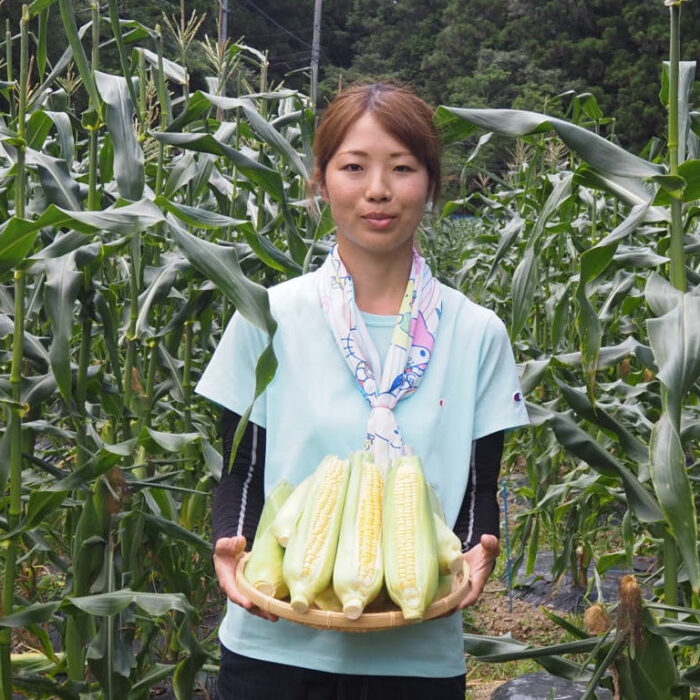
<point x="445" y="583"/>
<point x="328" y="600"/>
<point x="359" y="572"/>
<point x="409" y="540"/>
<point x="264" y="568"/>
<point x="449" y="545"/>
<point x="311" y="549"/>
<point x="435" y="503"/>
<point x="449" y="548"/>
<point x="286" y="518"/>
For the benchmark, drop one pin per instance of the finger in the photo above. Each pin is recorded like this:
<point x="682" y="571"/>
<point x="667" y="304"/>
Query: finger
<point x="475" y="590"/>
<point x="491" y="545"/>
<point x="229" y="546"/>
<point x="228" y="585"/>
<point x="262" y="613"/>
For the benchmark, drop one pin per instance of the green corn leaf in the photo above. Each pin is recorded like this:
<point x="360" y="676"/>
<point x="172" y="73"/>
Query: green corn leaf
<point x="17" y="237"/>
<point x="603" y="155"/>
<point x="110" y="657"/>
<point x="675" y="493"/>
<point x="631" y="191"/>
<point x="220" y="265"/>
<point x="119" y="40"/>
<point x="171" y="70"/>
<point x="106" y="318"/>
<point x="33" y="347"/>
<point x="267" y="252"/>
<point x="505" y="648"/>
<point x="42" y="504"/>
<point x="81" y="61"/>
<point x="37" y="129"/>
<point x="508" y="235"/>
<point x="263" y="128"/>
<point x="653" y="669"/>
<point x="157" y="290"/>
<point x="109" y="604"/>
<point x="64" y="134"/>
<point x="34" y="614"/>
<point x="201" y="218"/>
<point x="35" y="390"/>
<point x="38" y="6"/>
<point x="59" y="186"/>
<point x="270" y="180"/>
<point x="158" y="673"/>
<point x="171" y="442"/>
<point x="686" y="84"/>
<point x="675" y="341"/>
<point x="560" y="193"/>
<point x="42" y="686"/>
<point x="119" y="115"/>
<point x="582" y="445"/>
<point x="633" y="447"/>
<point x="524" y="285"/>
<point x="175" y="531"/>
<point x="594" y="261"/>
<point x="61" y="290"/>
<point x="182" y="171"/>
<point x="612" y="354"/>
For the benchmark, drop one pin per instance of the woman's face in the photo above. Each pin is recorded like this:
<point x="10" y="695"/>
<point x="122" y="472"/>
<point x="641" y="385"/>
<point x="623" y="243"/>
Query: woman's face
<point x="377" y="190"/>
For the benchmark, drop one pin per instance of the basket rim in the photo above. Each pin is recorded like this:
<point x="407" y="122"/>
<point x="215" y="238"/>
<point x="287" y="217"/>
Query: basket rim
<point x="367" y="622"/>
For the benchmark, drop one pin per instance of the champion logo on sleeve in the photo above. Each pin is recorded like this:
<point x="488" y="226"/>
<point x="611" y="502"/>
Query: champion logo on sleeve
<point x="517" y="397"/>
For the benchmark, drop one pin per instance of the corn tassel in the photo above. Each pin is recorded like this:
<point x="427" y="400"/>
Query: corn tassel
<point x="310" y="555"/>
<point x="264" y="568"/>
<point x="359" y="572"/>
<point x="409" y="539"/>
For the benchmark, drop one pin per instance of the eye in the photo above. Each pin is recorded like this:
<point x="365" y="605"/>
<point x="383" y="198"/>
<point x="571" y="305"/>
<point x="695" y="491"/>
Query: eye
<point x="403" y="168"/>
<point x="352" y="167"/>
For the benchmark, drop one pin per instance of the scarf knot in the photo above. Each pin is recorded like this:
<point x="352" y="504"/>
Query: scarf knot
<point x="412" y="344"/>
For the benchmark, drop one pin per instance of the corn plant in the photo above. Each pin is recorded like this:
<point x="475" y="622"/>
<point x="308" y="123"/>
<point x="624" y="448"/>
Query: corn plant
<point x="137" y="215"/>
<point x="610" y="346"/>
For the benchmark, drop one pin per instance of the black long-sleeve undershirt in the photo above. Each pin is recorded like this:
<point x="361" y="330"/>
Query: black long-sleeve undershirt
<point x="240" y="495"/>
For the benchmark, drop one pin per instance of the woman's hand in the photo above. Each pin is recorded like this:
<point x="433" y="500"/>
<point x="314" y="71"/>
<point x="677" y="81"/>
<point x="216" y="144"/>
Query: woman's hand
<point x="482" y="560"/>
<point x="227" y="553"/>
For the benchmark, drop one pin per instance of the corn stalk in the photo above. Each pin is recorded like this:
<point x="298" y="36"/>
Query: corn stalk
<point x="15" y="422"/>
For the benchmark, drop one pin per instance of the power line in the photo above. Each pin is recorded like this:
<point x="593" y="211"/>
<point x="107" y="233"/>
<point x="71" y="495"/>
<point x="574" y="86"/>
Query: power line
<point x="277" y="24"/>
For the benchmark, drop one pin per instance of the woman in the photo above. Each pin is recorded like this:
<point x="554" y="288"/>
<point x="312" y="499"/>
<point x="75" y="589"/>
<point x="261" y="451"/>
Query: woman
<point x="339" y="343"/>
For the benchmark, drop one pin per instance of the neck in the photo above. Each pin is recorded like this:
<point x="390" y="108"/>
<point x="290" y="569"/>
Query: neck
<point x="380" y="283"/>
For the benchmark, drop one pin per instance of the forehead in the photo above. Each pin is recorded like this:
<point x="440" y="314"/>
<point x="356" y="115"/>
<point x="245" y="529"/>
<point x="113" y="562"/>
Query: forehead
<point x="368" y="135"/>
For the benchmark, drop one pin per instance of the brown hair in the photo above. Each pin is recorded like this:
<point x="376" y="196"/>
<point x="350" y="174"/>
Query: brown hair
<point x="398" y="109"/>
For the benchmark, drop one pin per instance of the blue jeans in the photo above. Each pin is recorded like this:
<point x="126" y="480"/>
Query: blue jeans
<point x="242" y="678"/>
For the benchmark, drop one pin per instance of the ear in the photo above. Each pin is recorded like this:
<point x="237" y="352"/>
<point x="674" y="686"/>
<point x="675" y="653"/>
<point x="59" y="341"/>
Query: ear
<point x="319" y="182"/>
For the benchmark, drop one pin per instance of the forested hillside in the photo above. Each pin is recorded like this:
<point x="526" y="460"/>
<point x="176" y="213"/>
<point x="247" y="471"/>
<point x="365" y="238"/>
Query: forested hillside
<point x="514" y="53"/>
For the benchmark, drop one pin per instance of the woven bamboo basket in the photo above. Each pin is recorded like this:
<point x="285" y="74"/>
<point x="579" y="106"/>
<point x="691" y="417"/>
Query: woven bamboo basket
<point x="367" y="622"/>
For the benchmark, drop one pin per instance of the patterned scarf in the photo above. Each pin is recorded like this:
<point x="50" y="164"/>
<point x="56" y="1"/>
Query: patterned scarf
<point x="411" y="346"/>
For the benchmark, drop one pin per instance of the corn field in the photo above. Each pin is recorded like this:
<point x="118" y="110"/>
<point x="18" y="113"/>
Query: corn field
<point x="137" y="214"/>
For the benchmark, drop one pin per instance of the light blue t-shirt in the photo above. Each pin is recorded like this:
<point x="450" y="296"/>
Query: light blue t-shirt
<point x="313" y="408"/>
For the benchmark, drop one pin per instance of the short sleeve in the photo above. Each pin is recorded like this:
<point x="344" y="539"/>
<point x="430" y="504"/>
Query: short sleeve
<point x="229" y="378"/>
<point x="499" y="400"/>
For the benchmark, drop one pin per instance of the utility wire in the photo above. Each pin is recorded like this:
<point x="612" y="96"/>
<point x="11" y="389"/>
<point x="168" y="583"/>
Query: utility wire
<point x="276" y="23"/>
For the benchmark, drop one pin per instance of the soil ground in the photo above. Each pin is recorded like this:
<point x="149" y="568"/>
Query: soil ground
<point x="493" y="616"/>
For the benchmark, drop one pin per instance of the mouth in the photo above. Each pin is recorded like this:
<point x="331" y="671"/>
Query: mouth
<point x="379" y="220"/>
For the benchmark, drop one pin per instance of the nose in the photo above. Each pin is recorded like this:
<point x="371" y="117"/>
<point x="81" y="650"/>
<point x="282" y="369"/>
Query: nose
<point x="377" y="189"/>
